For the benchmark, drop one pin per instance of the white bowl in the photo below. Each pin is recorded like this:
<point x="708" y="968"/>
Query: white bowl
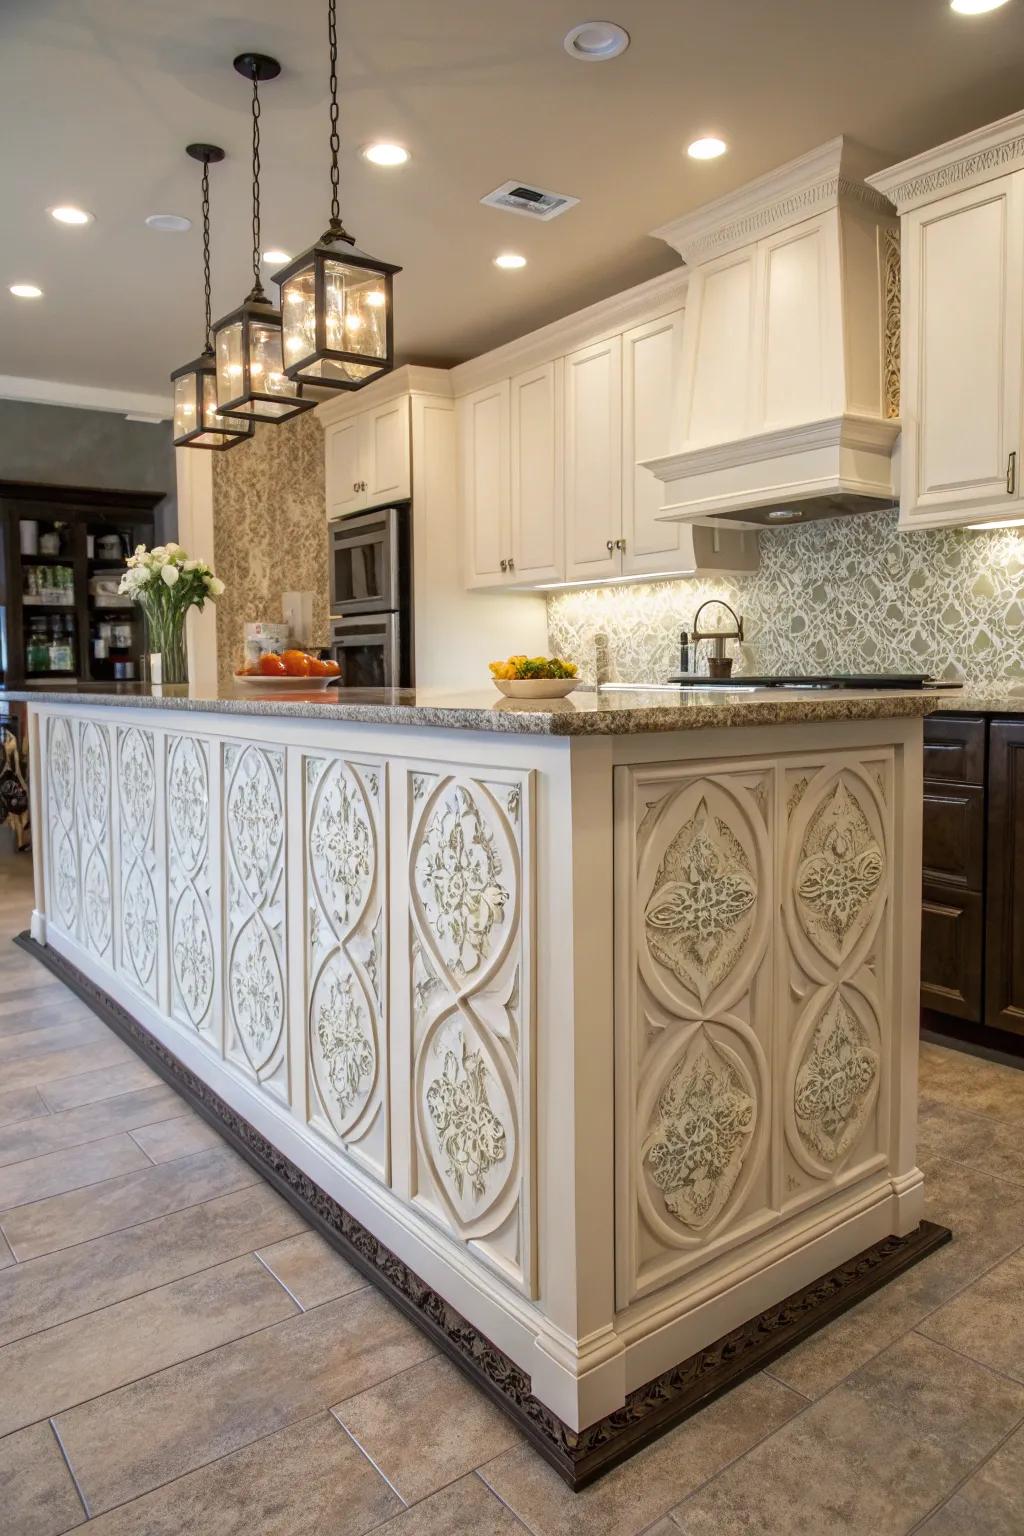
<point x="535" y="687"/>
<point x="286" y="684"/>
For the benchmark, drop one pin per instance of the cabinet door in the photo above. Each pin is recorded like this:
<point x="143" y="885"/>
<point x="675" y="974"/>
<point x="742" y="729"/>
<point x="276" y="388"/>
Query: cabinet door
<point x="963" y="266"/>
<point x="951" y="947"/>
<point x="1004" y="911"/>
<point x="483" y="428"/>
<point x="384" y="449"/>
<point x="343" y="468"/>
<point x="652" y="374"/>
<point x="720" y="349"/>
<point x="537" y="526"/>
<point x="593" y="461"/>
<point x="799" y="341"/>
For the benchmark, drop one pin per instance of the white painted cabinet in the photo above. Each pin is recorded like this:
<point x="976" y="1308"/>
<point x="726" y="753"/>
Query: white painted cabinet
<point x="593" y="461"/>
<point x="484" y="486"/>
<point x="651" y="384"/>
<point x="367" y="459"/>
<point x="536" y="527"/>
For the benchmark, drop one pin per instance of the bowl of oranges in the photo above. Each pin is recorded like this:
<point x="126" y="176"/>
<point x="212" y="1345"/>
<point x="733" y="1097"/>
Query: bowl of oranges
<point x="289" y="672"/>
<point x="534" y="677"/>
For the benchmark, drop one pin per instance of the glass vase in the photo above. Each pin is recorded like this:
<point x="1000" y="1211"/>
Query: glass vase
<point x="165" y="636"/>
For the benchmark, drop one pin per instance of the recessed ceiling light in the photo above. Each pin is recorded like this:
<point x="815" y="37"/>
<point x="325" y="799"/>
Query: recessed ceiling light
<point x="386" y="154"/>
<point x="509" y="259"/>
<point x="706" y="149"/>
<point x="26" y="291"/>
<point x="975" y="7"/>
<point x="169" y="223"/>
<point x="67" y="213"/>
<point x="276" y="258"/>
<point x="595" y="41"/>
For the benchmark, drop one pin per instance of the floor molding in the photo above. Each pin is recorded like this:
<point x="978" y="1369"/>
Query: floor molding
<point x="653" y="1409"/>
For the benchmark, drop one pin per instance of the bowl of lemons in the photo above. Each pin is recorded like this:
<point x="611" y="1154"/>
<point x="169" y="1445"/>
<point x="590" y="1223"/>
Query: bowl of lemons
<point x="534" y="677"/>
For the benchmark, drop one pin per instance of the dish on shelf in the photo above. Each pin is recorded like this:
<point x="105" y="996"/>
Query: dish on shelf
<point x="285" y="684"/>
<point x="535" y="687"/>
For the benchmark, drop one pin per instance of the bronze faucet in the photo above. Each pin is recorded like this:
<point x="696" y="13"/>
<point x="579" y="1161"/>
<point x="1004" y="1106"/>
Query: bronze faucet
<point x="719" y="664"/>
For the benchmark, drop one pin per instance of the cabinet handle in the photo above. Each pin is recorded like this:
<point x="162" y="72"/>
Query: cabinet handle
<point x="511" y="563"/>
<point x="1011" y="474"/>
<point x="621" y="544"/>
<point x="504" y="565"/>
<point x="610" y="546"/>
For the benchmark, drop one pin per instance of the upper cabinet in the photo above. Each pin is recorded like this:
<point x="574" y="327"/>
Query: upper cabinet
<point x="537" y="474"/>
<point x="593" y="461"/>
<point x="367" y="459"/>
<point x="962" y="212"/>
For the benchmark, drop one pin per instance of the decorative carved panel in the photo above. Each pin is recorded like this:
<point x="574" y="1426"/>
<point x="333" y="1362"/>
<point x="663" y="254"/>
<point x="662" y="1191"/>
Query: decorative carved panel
<point x="140" y="924"/>
<point x="63" y="832"/>
<point x="346" y="1002"/>
<point x="254" y="864"/>
<point x="470" y="880"/>
<point x="95" y="920"/>
<point x="193" y="969"/>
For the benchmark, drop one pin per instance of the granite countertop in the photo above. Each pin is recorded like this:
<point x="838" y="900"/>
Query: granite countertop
<point x="990" y="699"/>
<point x="585" y="713"/>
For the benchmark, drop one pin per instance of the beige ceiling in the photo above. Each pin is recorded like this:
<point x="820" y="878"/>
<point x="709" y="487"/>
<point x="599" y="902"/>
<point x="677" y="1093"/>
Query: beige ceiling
<point x="99" y="97"/>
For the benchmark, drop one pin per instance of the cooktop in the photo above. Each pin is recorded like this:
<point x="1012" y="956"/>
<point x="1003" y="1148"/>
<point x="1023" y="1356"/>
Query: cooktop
<point x="902" y="680"/>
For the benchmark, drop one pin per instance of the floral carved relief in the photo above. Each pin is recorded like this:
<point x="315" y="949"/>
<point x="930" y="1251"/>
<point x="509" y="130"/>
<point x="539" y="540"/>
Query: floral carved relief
<point x="97" y="902"/>
<point x="254" y="815"/>
<point x="254" y="832"/>
<point x="62" y="769"/>
<point x="192" y="948"/>
<point x="702" y="1126"/>
<point x="458" y="877"/>
<point x="840" y="871"/>
<point x="469" y="1133"/>
<point x="697" y="917"/>
<point x="347" y="1053"/>
<point x="257" y="992"/>
<point x="835" y="1084"/>
<point x="341" y="847"/>
<point x="140" y="914"/>
<point x="139" y="922"/>
<point x="138" y="791"/>
<point x="192" y="954"/>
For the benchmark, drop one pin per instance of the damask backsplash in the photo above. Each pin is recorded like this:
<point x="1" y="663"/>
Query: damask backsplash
<point x="848" y="595"/>
<point x="269" y="531"/>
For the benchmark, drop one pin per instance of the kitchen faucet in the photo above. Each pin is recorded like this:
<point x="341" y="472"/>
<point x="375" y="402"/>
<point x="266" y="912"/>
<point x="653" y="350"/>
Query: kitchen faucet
<point x="719" y="665"/>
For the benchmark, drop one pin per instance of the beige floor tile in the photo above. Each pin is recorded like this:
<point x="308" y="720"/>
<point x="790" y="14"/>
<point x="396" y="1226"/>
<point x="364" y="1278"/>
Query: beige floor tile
<point x="6" y="1256"/>
<point x="73" y="1281"/>
<point x="49" y="1371"/>
<point x="37" y="1496"/>
<point x="986" y="1218"/>
<point x="987" y="1320"/>
<point x="631" y="1497"/>
<point x="466" y="1508"/>
<point x="93" y="1087"/>
<point x="125" y="1202"/>
<point x="308" y="1480"/>
<point x="969" y="1082"/>
<point x="991" y="1503"/>
<point x="37" y="1178"/>
<point x="82" y="1028"/>
<point x="129" y="1442"/>
<point x="92" y="1122"/>
<point x="21" y="1104"/>
<point x="875" y="1455"/>
<point x="426" y="1427"/>
<point x="180" y="1137"/>
<point x="31" y="994"/>
<point x="311" y="1269"/>
<point x="102" y="1055"/>
<point x="961" y="1136"/>
<point x="43" y="1013"/>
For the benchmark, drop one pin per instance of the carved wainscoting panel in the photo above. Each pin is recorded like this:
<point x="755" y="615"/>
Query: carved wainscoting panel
<point x="346" y="986"/>
<point x="194" y="973"/>
<point x="140" y="913"/>
<point x="95" y="925"/>
<point x="470" y="869"/>
<point x="61" y="785"/>
<point x="693" y="1027"/>
<point x="255" y="913"/>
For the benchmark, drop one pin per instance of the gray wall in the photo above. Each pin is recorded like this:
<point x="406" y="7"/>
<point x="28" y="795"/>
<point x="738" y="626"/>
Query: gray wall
<point x="58" y="445"/>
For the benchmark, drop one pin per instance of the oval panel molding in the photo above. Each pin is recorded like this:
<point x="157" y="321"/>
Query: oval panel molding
<point x="840" y="878"/>
<point x="343" y="1047"/>
<point x="835" y="1082"/>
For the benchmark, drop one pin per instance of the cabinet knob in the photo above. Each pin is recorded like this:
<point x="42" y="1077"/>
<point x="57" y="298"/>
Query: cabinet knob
<point x="610" y="546"/>
<point x="504" y="565"/>
<point x="621" y="544"/>
<point x="511" y="564"/>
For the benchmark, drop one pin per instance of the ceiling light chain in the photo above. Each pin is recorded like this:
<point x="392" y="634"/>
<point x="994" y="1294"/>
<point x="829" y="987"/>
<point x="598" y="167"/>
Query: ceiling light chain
<point x="336" y="230"/>
<point x="206" y="256"/>
<point x="257" y="286"/>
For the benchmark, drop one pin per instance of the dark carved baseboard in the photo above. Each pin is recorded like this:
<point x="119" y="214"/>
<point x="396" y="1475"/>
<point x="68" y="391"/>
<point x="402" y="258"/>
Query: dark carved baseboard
<point x="649" y="1411"/>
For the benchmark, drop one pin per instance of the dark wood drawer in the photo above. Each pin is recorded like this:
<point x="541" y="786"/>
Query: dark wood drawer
<point x="1004" y="917"/>
<point x="954" y="834"/>
<point x="951" y="952"/>
<point x="954" y="749"/>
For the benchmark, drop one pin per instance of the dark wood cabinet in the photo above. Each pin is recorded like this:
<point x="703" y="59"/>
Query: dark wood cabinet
<point x="1004" y="913"/>
<point x="953" y="848"/>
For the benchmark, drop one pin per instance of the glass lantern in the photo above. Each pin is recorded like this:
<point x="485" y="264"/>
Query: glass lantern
<point x="336" y="316"/>
<point x="203" y="427"/>
<point x="251" y="381"/>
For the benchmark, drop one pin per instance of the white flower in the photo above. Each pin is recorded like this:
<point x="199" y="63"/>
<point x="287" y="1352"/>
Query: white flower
<point x="215" y="586"/>
<point x="159" y="554"/>
<point x="170" y="574"/>
<point x="173" y="549"/>
<point x="192" y="565"/>
<point x="140" y="550"/>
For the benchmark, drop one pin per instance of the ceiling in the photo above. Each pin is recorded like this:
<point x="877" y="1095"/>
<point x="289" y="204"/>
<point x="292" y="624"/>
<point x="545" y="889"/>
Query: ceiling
<point x="99" y="97"/>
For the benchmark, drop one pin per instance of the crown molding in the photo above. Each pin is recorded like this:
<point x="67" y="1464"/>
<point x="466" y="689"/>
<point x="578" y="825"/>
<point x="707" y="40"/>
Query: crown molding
<point x="408" y="380"/>
<point x="969" y="161"/>
<point x="647" y="301"/>
<point x="824" y="178"/>
<point x="85" y="397"/>
<point x="858" y="432"/>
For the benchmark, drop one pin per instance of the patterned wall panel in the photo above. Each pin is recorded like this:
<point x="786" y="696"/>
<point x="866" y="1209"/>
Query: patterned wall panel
<point x="694" y="914"/>
<point x="470" y="879"/>
<point x="96" y="916"/>
<point x="194" y="975"/>
<point x="346" y="988"/>
<point x="61" y="793"/>
<point x="255" y="913"/>
<point x="140" y="913"/>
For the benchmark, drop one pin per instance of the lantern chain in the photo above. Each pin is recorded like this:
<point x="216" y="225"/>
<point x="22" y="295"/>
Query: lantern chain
<point x="332" y="37"/>
<point x="206" y="254"/>
<point x="257" y="286"/>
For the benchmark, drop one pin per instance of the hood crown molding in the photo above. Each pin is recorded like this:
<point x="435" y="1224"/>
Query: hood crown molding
<point x="824" y="178"/>
<point x="974" y="158"/>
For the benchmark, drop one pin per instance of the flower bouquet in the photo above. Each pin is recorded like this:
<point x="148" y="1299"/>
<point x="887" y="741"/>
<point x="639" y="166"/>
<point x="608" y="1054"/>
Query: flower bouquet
<point x="166" y="583"/>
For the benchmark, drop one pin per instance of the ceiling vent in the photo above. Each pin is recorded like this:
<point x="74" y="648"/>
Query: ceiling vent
<point x="515" y="197"/>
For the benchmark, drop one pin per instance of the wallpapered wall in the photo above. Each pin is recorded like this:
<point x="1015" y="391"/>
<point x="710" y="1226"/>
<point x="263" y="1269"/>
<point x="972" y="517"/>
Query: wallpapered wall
<point x="849" y="595"/>
<point x="269" y="530"/>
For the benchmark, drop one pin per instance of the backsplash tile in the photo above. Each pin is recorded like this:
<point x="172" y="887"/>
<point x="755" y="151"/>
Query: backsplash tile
<point x="849" y="595"/>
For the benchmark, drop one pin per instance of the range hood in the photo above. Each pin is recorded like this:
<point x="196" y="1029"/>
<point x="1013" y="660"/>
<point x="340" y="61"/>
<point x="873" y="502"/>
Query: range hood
<point x="790" y="398"/>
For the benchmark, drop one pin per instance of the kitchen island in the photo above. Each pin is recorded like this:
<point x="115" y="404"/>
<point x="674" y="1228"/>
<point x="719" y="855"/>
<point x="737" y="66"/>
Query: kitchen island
<point x="588" y="1030"/>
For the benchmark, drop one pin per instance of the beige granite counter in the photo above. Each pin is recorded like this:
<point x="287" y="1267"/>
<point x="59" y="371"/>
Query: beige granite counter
<point x="998" y="699"/>
<point x="586" y="713"/>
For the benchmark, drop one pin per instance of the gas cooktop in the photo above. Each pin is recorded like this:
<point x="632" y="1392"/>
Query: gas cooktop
<point x="902" y="680"/>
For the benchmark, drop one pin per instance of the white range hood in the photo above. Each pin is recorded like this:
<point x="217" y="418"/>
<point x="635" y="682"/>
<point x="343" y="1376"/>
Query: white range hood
<point x="790" y="398"/>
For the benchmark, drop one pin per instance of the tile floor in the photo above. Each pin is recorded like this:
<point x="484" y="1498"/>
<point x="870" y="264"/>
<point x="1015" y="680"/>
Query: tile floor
<point x="178" y="1352"/>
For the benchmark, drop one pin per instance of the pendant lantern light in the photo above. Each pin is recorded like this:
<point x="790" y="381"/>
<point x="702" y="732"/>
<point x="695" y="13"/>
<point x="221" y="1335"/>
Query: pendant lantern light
<point x="251" y="381"/>
<point x="197" y="423"/>
<point x="336" y="302"/>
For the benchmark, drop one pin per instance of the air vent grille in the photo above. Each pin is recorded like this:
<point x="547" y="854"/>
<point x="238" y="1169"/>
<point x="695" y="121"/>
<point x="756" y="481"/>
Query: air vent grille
<point x="517" y="197"/>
